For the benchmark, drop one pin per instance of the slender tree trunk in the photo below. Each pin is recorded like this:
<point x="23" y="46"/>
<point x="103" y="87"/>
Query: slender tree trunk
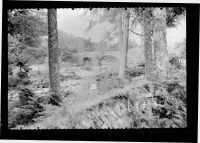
<point x="121" y="49"/>
<point x="120" y="29"/>
<point x="126" y="35"/>
<point x="53" y="52"/>
<point x="155" y="43"/>
<point x="99" y="62"/>
<point x="123" y="35"/>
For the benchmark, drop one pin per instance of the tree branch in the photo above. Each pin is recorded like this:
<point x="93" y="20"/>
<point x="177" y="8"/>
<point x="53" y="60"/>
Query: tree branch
<point x="137" y="16"/>
<point x="91" y="24"/>
<point x="108" y="34"/>
<point x="135" y="33"/>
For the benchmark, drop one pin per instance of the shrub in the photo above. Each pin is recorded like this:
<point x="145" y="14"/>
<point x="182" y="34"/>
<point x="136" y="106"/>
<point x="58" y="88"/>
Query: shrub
<point x="13" y="81"/>
<point x="25" y="81"/>
<point x="25" y="95"/>
<point x="45" y="85"/>
<point x="10" y="70"/>
<point x="52" y="98"/>
<point x="175" y="62"/>
<point x="22" y="74"/>
<point x="25" y="110"/>
<point x="166" y="109"/>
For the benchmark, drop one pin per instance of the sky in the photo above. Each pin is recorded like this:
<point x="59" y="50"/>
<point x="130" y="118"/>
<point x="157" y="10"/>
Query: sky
<point x="73" y="22"/>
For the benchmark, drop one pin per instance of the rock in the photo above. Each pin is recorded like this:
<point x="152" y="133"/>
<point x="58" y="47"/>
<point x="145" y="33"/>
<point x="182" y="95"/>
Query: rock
<point x="113" y="114"/>
<point x="120" y="123"/>
<point x="85" y="124"/>
<point x="105" y="120"/>
<point x="115" y="125"/>
<point x="93" y="87"/>
<point x="70" y="102"/>
<point x="117" y="109"/>
<point x="125" y="119"/>
<point x="104" y="126"/>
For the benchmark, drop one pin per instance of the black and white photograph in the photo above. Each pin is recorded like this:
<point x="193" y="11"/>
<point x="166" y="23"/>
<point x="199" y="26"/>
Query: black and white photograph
<point x="127" y="68"/>
<point x="97" y="68"/>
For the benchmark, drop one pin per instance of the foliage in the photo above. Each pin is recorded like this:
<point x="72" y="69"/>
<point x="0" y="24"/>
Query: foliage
<point x="137" y="71"/>
<point x="21" y="78"/>
<point x="25" y="110"/>
<point x="37" y="55"/>
<point x="174" y="61"/>
<point x="174" y="15"/>
<point x="21" y="74"/>
<point x="10" y="70"/>
<point x="19" y="51"/>
<point x="166" y="109"/>
<point x="69" y="76"/>
<point x="69" y="45"/>
<point x="16" y="49"/>
<point x="72" y="43"/>
<point x="13" y="81"/>
<point x="181" y="49"/>
<point x="30" y="23"/>
<point x="100" y="15"/>
<point x="52" y="98"/>
<point x="25" y="30"/>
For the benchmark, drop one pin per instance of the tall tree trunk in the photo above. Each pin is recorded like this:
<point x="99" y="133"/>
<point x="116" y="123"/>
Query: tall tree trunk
<point x="155" y="43"/>
<point x="148" y="48"/>
<point x="160" y="42"/>
<point x="99" y="61"/>
<point x="53" y="52"/>
<point x="126" y="35"/>
<point x="122" y="50"/>
<point x="120" y="29"/>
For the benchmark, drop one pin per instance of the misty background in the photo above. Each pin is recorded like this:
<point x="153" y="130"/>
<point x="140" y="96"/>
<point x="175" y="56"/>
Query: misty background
<point x="73" y="22"/>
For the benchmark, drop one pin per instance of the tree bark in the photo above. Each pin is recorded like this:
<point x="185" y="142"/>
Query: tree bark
<point x="160" y="42"/>
<point x="99" y="62"/>
<point x="126" y="35"/>
<point x="123" y="38"/>
<point x="155" y="44"/>
<point x="53" y="52"/>
<point x="121" y="58"/>
<point x="148" y="30"/>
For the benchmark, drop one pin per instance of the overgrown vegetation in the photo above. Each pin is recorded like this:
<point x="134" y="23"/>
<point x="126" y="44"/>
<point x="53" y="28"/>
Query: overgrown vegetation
<point x="92" y="95"/>
<point x="23" y="109"/>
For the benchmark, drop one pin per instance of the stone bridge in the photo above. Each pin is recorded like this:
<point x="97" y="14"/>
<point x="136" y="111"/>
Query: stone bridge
<point x="96" y="58"/>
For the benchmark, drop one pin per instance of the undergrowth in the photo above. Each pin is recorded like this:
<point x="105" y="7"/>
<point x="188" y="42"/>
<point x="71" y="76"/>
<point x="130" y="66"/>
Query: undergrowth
<point x="23" y="110"/>
<point x="164" y="107"/>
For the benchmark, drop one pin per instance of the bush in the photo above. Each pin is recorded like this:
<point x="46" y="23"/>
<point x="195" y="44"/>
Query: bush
<point x="13" y="81"/>
<point x="24" y="110"/>
<point x="25" y="81"/>
<point x="166" y="109"/>
<point x="175" y="62"/>
<point x="52" y="98"/>
<point x="22" y="74"/>
<point x="25" y="95"/>
<point x="10" y="70"/>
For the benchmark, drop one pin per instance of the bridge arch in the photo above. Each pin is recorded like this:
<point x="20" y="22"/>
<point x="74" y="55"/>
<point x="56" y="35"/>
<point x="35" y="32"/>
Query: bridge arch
<point x="86" y="60"/>
<point x="96" y="58"/>
<point x="108" y="58"/>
